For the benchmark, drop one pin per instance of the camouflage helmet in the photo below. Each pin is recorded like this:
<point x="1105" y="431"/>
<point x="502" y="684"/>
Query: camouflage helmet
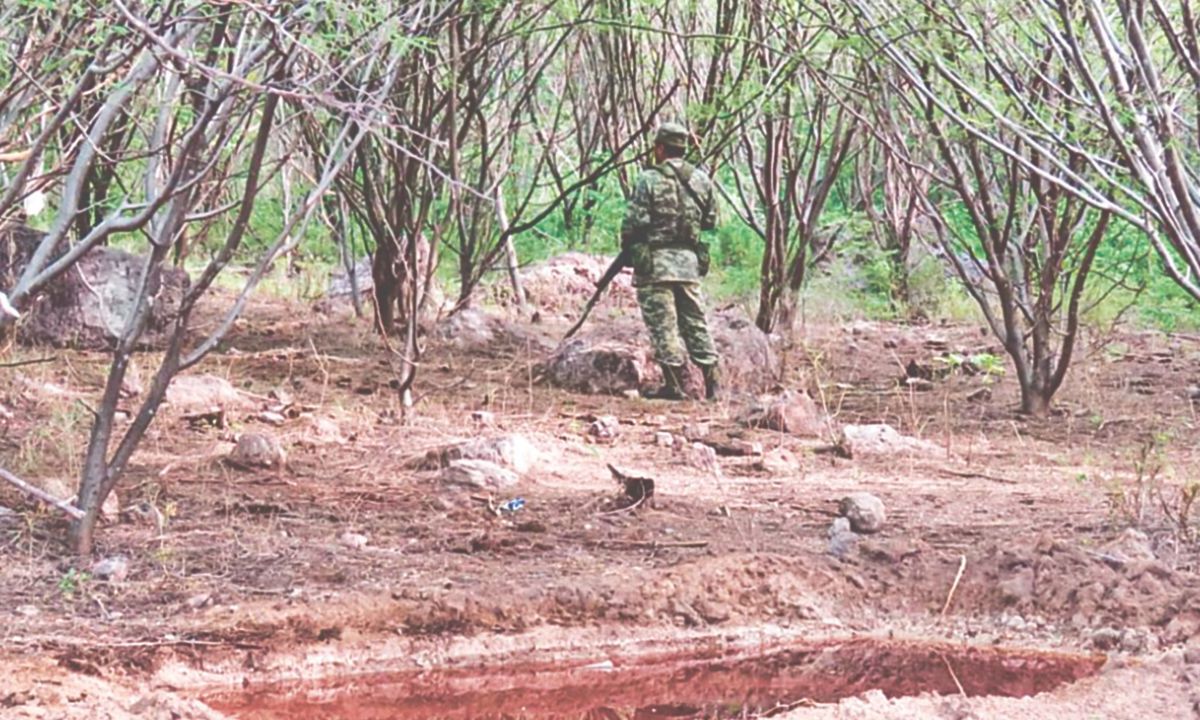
<point x="671" y="135"/>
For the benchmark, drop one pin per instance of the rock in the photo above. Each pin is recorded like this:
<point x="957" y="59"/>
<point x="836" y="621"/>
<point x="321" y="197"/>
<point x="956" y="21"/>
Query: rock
<point x="615" y="358"/>
<point x="88" y="307"/>
<point x="664" y="439"/>
<point x="841" y="538"/>
<point x="257" y="450"/>
<point x="863" y="440"/>
<point x="8" y="516"/>
<point x="562" y="284"/>
<point x="199" y="600"/>
<point x="605" y="428"/>
<point x="779" y="461"/>
<point x="1136" y="641"/>
<point x="479" y="474"/>
<point x="703" y="457"/>
<point x="1106" y="638"/>
<point x="511" y="451"/>
<point x="597" y="365"/>
<point x="342" y="284"/>
<point x="1017" y="589"/>
<point x="484" y="418"/>
<point x="272" y="418"/>
<point x="201" y="393"/>
<point x="789" y="412"/>
<point x="1130" y="546"/>
<point x="353" y="540"/>
<point x="864" y="511"/>
<point x="111" y="569"/>
<point x="1191" y="655"/>
<point x="745" y="447"/>
<point x="473" y="329"/>
<point x="323" y="430"/>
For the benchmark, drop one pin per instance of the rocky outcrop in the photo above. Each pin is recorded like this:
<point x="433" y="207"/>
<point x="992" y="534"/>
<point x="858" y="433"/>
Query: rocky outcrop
<point x="88" y="306"/>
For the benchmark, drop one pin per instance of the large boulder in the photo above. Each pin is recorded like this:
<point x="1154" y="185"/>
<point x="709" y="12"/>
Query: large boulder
<point x="614" y="357"/>
<point x="88" y="306"/>
<point x="562" y="285"/>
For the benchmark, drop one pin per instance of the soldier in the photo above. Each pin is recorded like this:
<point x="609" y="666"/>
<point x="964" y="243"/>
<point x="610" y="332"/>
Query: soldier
<point x="672" y="203"/>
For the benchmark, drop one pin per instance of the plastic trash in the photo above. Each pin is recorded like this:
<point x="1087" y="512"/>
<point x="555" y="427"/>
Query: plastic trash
<point x="512" y="505"/>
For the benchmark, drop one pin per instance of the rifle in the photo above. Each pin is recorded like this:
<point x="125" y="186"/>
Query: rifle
<point x="619" y="262"/>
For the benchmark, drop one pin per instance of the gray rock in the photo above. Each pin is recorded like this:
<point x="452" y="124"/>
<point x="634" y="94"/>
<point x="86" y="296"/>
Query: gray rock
<point x="779" y="461"/>
<point x="864" y="511"/>
<point x="614" y="357"/>
<point x="88" y="306"/>
<point x="881" y="439"/>
<point x="841" y="538"/>
<point x="8" y="516"/>
<point x="511" y="451"/>
<point x="353" y="540"/>
<point x="605" y="428"/>
<point x="790" y="412"/>
<point x="1191" y="655"/>
<point x="111" y="569"/>
<point x="202" y="393"/>
<point x="479" y="474"/>
<point x="1106" y="638"/>
<point x="257" y="450"/>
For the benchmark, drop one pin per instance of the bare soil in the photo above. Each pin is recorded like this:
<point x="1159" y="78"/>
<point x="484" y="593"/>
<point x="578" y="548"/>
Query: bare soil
<point x="253" y="580"/>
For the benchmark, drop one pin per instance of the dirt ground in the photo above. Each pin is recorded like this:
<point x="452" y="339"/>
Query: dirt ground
<point x="351" y="558"/>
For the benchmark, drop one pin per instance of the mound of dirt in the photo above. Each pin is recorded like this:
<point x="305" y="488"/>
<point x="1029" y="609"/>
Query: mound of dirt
<point x="1094" y="588"/>
<point x="88" y="306"/>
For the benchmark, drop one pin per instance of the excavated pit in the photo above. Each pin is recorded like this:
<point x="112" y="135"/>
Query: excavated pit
<point x="695" y="686"/>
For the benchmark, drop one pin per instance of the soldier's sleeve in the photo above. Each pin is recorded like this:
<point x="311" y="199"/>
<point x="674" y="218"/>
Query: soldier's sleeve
<point x="708" y="218"/>
<point x="637" y="214"/>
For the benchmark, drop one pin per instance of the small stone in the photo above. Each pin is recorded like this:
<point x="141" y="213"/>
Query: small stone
<point x="511" y="451"/>
<point x="272" y="418"/>
<point x="703" y="457"/>
<point x="111" y="569"/>
<point x="353" y="540"/>
<point x="841" y="538"/>
<point x="746" y="447"/>
<point x="29" y="610"/>
<point x="1191" y="655"/>
<point x="696" y="431"/>
<point x="193" y="393"/>
<point x="631" y="394"/>
<point x="1106" y="638"/>
<point x="881" y="439"/>
<point x="257" y="450"/>
<point x="864" y="511"/>
<point x="790" y="412"/>
<point x="479" y="474"/>
<point x="199" y="601"/>
<point x="483" y="417"/>
<point x="8" y="516"/>
<point x="326" y="431"/>
<point x="605" y="428"/>
<point x="111" y="508"/>
<point x="664" y="439"/>
<point x="779" y="461"/>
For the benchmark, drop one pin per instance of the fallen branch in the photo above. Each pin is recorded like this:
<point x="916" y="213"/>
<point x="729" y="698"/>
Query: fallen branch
<point x="962" y="566"/>
<point x="42" y="495"/>
<point x="23" y="363"/>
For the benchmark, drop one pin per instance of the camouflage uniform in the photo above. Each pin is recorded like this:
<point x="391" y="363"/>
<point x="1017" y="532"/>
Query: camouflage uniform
<point x="667" y="269"/>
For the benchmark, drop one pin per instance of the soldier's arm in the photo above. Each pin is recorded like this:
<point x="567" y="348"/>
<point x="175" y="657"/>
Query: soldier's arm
<point x="637" y="214"/>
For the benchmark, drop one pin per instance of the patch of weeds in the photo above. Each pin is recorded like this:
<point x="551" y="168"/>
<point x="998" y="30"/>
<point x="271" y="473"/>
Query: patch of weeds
<point x="73" y="582"/>
<point x="1149" y="498"/>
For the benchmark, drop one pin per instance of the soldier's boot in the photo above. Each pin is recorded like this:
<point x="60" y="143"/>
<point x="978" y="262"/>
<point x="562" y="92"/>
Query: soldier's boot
<point x="712" y="381"/>
<point x="672" y="387"/>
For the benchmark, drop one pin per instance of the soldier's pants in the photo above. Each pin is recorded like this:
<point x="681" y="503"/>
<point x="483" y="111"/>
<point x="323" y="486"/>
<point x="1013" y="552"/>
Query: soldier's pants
<point x="672" y="310"/>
